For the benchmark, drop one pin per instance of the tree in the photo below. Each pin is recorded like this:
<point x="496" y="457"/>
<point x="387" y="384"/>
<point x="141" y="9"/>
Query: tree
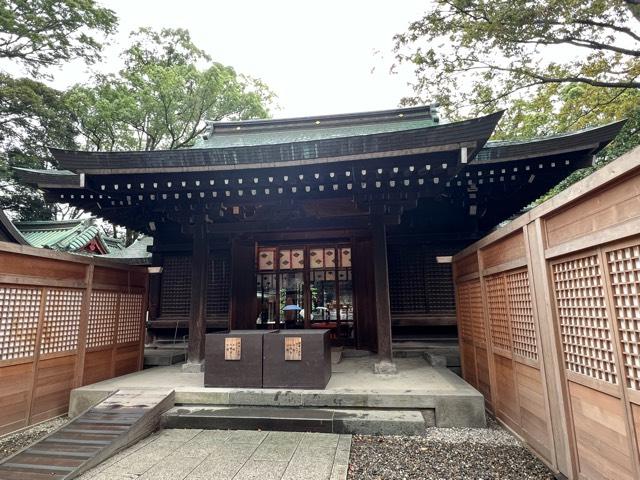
<point x="480" y="53"/>
<point x="38" y="34"/>
<point x="555" y="65"/>
<point x="32" y="116"/>
<point x="161" y="98"/>
<point x="43" y="33"/>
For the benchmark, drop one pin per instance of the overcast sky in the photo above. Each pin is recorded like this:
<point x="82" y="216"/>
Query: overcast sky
<point x="321" y="57"/>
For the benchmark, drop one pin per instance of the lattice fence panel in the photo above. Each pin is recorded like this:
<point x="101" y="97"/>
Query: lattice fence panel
<point x="584" y="326"/>
<point x="175" y="290"/>
<point x="465" y="326"/>
<point x="19" y="312"/>
<point x="523" y="330"/>
<point x="61" y="320"/>
<point x="624" y="268"/>
<point x="103" y="311"/>
<point x="498" y="314"/>
<point x="477" y="314"/>
<point x="130" y="317"/>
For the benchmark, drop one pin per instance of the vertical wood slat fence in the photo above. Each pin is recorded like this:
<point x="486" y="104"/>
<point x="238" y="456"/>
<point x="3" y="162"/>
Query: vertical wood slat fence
<point x="549" y="320"/>
<point x="65" y="321"/>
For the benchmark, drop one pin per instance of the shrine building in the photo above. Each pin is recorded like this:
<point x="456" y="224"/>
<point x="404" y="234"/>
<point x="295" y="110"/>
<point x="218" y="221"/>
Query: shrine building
<point x="346" y="222"/>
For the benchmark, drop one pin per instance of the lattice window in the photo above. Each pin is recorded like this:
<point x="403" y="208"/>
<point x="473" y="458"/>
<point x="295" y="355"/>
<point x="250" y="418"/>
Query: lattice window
<point x="523" y="331"/>
<point x="175" y="290"/>
<point x="624" y="267"/>
<point x="498" y="314"/>
<point x="407" y="291"/>
<point x="584" y="326"/>
<point x="61" y="320"/>
<point x="102" y="318"/>
<point x="19" y="312"/>
<point x="219" y="284"/>
<point x="477" y="314"/>
<point x="130" y="317"/>
<point x="439" y="282"/>
<point x="465" y="314"/>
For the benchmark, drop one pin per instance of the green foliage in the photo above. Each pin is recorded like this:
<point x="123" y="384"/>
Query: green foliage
<point x="480" y="53"/>
<point x="555" y="65"/>
<point x="43" y="33"/>
<point x="161" y="99"/>
<point x="38" y="34"/>
<point x="32" y="116"/>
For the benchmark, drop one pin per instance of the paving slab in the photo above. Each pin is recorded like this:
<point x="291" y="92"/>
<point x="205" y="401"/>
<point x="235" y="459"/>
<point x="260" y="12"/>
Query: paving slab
<point x="230" y="455"/>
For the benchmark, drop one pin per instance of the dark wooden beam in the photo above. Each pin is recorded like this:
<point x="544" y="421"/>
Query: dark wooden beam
<point x="197" y="321"/>
<point x="381" y="275"/>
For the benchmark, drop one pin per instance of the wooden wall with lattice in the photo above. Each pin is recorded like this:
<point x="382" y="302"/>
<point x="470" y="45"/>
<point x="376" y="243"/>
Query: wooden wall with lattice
<point x="558" y="331"/>
<point x="65" y="321"/>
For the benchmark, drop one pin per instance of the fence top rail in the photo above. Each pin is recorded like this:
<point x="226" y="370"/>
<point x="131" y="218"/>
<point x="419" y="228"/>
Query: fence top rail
<point x="617" y="169"/>
<point x="66" y="257"/>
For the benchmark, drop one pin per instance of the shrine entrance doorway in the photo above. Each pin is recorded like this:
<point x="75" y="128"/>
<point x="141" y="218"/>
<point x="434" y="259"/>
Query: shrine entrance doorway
<point x="307" y="286"/>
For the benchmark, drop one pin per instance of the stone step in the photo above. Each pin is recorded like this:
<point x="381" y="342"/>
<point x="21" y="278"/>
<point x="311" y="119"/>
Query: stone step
<point x="154" y="357"/>
<point x="352" y="421"/>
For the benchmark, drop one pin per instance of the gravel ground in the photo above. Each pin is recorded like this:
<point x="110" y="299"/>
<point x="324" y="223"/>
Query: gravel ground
<point x="11" y="443"/>
<point x="445" y="453"/>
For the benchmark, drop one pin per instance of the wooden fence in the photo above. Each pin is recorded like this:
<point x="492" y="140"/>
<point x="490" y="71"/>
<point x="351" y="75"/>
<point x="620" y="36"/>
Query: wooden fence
<point x="549" y="320"/>
<point x="65" y="321"/>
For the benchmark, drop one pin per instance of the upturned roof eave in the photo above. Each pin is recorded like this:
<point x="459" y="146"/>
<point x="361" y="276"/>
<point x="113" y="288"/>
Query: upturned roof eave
<point x="477" y="130"/>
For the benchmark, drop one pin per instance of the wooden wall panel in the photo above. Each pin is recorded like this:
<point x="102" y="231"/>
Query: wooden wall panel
<point x="109" y="276"/>
<point x="97" y="366"/>
<point x="15" y="388"/>
<point x="533" y="414"/>
<point x="484" y="376"/>
<point x="635" y="412"/>
<point x="598" y="212"/>
<point x="127" y="359"/>
<point x="14" y="264"/>
<point x="506" y="402"/>
<point x="508" y="249"/>
<point x="53" y="384"/>
<point x="601" y="436"/>
<point x="467" y="265"/>
<point x="469" y="367"/>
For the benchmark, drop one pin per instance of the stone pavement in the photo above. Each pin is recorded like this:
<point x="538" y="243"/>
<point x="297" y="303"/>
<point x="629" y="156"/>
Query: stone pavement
<point x="229" y="455"/>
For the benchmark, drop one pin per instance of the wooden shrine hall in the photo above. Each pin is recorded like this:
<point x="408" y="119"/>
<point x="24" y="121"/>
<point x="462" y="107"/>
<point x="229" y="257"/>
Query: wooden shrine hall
<point x="346" y="222"/>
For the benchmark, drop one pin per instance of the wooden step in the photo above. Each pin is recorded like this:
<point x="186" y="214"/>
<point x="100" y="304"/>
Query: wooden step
<point x="116" y="423"/>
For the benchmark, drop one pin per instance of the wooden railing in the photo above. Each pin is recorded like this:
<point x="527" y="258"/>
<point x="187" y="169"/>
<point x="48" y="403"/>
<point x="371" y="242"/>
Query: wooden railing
<point x="549" y="319"/>
<point x="65" y="321"/>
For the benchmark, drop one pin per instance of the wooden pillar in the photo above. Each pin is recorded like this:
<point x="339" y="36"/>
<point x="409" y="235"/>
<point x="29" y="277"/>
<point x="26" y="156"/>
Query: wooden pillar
<point x="383" y="304"/>
<point x="244" y="305"/>
<point x="197" y="317"/>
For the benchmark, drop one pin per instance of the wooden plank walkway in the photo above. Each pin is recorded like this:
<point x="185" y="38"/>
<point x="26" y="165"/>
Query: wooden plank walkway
<point x="117" y="422"/>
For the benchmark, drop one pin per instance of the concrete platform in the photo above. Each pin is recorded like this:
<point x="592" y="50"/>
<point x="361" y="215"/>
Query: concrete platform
<point x="433" y="391"/>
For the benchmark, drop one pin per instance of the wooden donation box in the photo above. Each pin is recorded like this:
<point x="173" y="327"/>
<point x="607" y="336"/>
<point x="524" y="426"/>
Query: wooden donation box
<point x="234" y="359"/>
<point x="296" y="359"/>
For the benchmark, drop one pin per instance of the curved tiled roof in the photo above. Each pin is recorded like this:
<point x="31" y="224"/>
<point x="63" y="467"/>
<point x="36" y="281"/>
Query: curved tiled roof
<point x="65" y="235"/>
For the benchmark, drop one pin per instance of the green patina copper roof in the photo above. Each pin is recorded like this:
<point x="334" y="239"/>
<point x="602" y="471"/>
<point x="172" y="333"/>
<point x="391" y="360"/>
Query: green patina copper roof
<point x="241" y="138"/>
<point x="68" y="236"/>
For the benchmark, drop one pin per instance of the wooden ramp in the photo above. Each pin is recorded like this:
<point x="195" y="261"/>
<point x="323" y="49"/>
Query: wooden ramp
<point x="117" y="422"/>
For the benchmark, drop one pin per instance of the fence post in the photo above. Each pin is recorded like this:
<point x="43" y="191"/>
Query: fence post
<point x="36" y="354"/>
<point x="550" y="349"/>
<point x="84" y="326"/>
